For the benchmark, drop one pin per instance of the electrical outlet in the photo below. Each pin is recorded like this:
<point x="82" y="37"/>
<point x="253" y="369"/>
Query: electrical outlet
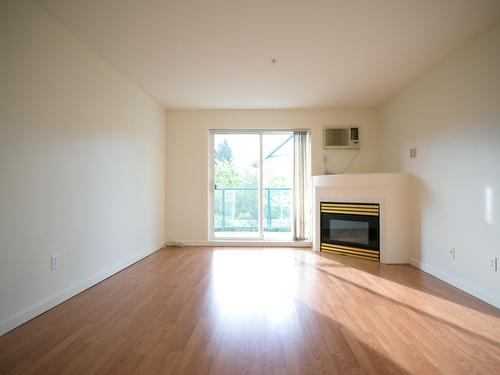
<point x="493" y="264"/>
<point x="451" y="253"/>
<point x="54" y="262"/>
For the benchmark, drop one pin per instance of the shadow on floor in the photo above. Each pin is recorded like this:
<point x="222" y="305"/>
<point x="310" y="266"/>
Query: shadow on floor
<point x="419" y="280"/>
<point x="372" y="268"/>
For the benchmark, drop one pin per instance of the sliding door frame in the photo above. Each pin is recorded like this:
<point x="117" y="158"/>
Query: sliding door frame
<point x="211" y="180"/>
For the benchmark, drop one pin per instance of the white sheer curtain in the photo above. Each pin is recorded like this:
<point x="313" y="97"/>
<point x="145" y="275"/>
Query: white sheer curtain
<point x="301" y="185"/>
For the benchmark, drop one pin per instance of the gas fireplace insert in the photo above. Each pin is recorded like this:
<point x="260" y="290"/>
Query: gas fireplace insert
<point x="351" y="229"/>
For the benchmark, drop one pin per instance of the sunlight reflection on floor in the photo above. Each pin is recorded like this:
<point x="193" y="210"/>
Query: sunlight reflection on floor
<point x="251" y="282"/>
<point x="421" y="302"/>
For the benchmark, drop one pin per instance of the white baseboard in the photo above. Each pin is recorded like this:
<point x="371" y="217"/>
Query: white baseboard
<point x="231" y="243"/>
<point x="460" y="284"/>
<point x="23" y="316"/>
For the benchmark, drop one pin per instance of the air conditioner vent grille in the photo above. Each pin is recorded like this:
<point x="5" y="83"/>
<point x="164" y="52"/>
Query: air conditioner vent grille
<point x="354" y="134"/>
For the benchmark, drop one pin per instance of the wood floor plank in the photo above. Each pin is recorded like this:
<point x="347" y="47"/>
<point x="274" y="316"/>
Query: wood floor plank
<point x="260" y="311"/>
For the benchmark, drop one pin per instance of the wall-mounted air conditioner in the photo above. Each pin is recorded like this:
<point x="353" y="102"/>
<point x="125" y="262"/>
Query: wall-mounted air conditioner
<point x="335" y="137"/>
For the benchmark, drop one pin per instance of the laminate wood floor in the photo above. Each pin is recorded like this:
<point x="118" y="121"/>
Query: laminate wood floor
<point x="260" y="311"/>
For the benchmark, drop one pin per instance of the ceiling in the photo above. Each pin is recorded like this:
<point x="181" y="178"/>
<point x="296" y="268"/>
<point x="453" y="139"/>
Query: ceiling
<point x="217" y="54"/>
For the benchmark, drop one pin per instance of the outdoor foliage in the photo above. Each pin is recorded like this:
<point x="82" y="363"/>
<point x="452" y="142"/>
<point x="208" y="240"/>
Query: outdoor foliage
<point x="224" y="152"/>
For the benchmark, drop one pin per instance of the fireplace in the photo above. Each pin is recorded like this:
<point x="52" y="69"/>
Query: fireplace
<point x="351" y="229"/>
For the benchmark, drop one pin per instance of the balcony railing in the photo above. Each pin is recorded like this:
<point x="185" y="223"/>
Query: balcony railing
<point x="236" y="209"/>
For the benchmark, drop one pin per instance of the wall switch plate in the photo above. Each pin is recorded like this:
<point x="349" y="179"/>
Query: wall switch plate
<point x="493" y="264"/>
<point x="54" y="262"/>
<point x="413" y="152"/>
<point x="451" y="253"/>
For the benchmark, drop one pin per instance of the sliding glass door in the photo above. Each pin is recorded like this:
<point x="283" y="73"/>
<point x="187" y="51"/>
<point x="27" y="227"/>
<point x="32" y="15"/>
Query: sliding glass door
<point x="251" y="185"/>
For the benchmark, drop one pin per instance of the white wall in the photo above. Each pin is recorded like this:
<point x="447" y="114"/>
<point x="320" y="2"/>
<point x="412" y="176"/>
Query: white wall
<point x="452" y="115"/>
<point x="82" y="166"/>
<point x="188" y="149"/>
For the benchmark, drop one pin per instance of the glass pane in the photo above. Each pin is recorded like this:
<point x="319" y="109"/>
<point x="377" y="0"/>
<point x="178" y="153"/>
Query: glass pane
<point x="278" y="172"/>
<point x="236" y="177"/>
<point x="349" y="231"/>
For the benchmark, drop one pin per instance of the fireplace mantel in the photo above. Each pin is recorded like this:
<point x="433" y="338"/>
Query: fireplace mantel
<point x="390" y="190"/>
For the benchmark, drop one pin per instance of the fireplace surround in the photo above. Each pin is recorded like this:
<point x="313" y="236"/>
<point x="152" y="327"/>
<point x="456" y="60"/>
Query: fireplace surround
<point x="390" y="191"/>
